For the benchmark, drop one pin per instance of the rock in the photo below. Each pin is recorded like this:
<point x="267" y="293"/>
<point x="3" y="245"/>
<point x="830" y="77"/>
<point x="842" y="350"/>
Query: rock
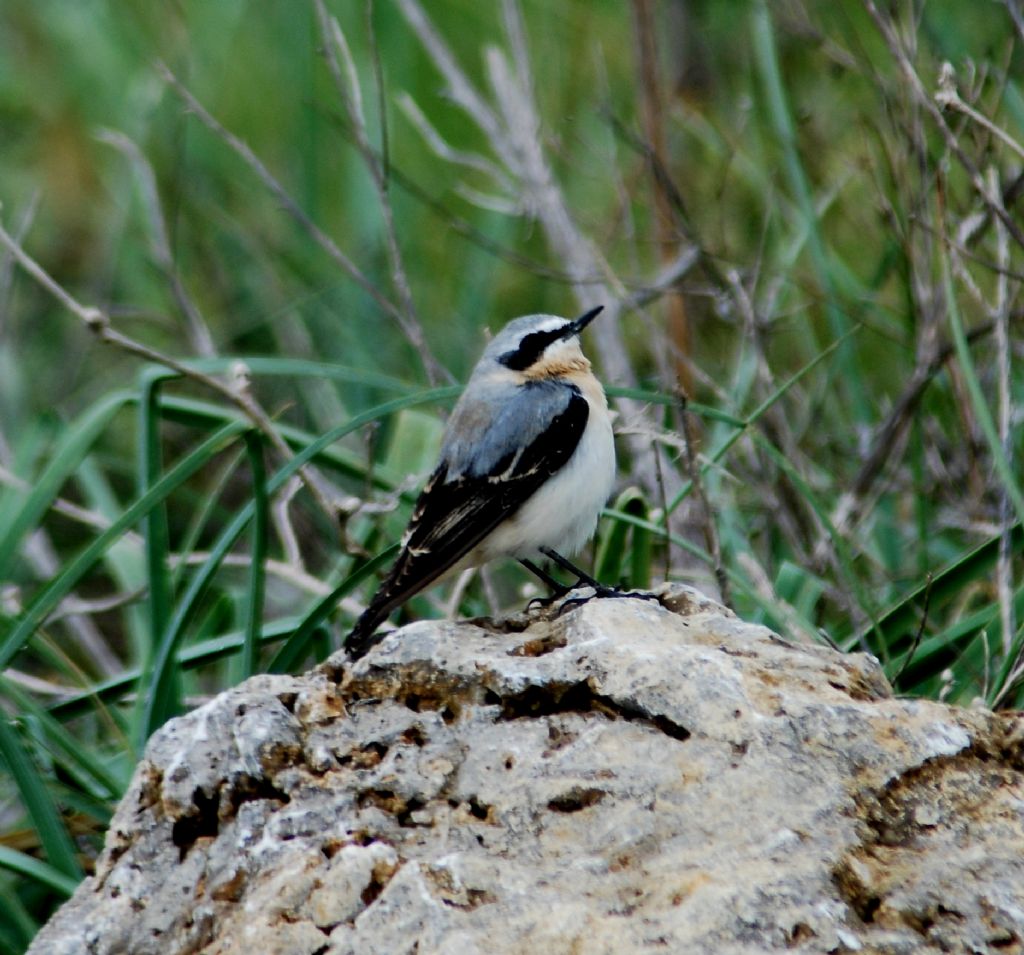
<point x="628" y="776"/>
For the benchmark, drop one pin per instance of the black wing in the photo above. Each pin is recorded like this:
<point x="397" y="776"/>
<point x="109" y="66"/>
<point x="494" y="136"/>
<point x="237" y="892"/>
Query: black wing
<point x="453" y="515"/>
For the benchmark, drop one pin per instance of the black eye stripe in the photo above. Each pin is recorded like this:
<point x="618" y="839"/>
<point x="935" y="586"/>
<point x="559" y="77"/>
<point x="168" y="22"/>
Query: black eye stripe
<point x="530" y="349"/>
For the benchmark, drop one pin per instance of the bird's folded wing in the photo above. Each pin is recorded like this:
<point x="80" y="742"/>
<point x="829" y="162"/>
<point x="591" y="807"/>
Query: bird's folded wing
<point x="454" y="514"/>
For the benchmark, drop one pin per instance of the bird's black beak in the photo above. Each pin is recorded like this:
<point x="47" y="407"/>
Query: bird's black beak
<point x="574" y="328"/>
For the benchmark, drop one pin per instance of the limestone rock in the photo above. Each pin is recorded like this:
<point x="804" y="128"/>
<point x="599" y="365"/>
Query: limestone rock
<point x="629" y="776"/>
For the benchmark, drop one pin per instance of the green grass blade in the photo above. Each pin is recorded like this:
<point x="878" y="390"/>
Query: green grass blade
<point x="33" y="868"/>
<point x="79" y="436"/>
<point x="77" y="760"/>
<point x="614" y="550"/>
<point x="17" y="927"/>
<point x="948" y="647"/>
<point x="660" y="398"/>
<point x="845" y="559"/>
<point x="207" y="415"/>
<point x="158" y="703"/>
<point x="900" y="621"/>
<point x="740" y="585"/>
<point x="295" y="647"/>
<point x="978" y="402"/>
<point x="202" y="516"/>
<point x="303" y="368"/>
<point x="25" y="457"/>
<point x="723" y="449"/>
<point x="257" y="569"/>
<point x="202" y="653"/>
<point x="157" y="536"/>
<point x="159" y="699"/>
<point x="659" y="531"/>
<point x="781" y="119"/>
<point x="122" y="559"/>
<point x="36" y="798"/>
<point x="52" y="593"/>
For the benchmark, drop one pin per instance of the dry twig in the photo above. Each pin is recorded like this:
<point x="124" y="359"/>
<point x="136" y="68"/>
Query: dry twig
<point x="1001" y="318"/>
<point x="711" y="541"/>
<point x="346" y="81"/>
<point x="160" y="243"/>
<point x="98" y="322"/>
<point x="321" y="238"/>
<point x="929" y="105"/>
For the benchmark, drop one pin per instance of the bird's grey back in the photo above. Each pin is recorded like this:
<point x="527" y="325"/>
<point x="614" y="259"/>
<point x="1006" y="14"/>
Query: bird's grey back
<point x="495" y="424"/>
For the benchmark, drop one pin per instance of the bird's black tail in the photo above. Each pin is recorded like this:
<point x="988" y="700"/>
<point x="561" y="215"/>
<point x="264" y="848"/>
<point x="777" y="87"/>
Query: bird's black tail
<point x="364" y="634"/>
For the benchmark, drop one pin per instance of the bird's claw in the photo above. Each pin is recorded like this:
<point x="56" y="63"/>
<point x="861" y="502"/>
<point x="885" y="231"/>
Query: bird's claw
<point x="542" y="602"/>
<point x="602" y="591"/>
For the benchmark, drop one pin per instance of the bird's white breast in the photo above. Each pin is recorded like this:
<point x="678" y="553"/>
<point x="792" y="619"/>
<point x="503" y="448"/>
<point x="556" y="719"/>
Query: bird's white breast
<point x="563" y="513"/>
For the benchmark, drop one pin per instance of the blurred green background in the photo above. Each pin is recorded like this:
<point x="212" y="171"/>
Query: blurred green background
<point x="844" y="312"/>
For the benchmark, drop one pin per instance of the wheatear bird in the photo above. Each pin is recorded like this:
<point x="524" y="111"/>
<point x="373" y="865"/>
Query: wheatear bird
<point x="527" y="463"/>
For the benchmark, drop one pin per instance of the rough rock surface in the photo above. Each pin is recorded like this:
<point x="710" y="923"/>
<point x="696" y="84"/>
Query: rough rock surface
<point x="627" y="777"/>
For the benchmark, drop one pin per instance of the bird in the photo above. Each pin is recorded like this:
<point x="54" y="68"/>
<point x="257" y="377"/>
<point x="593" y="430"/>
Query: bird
<point x="527" y="462"/>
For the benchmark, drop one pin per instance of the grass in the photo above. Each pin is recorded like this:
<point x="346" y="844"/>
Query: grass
<point x="853" y="300"/>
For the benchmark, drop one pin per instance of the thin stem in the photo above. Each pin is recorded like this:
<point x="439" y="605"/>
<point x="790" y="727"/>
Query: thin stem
<point x="98" y="322"/>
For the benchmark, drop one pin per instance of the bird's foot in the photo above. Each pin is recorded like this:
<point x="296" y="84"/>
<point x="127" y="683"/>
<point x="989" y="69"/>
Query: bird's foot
<point x="583" y="579"/>
<point x="558" y="591"/>
<point x="602" y="591"/>
<point x="544" y="602"/>
<point x="541" y="603"/>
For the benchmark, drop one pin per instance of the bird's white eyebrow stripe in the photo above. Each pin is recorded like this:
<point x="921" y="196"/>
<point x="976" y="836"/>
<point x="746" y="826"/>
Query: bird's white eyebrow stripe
<point x="530" y="348"/>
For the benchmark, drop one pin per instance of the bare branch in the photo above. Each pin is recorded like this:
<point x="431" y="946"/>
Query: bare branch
<point x="949" y="98"/>
<point x="928" y="104"/>
<point x="888" y="435"/>
<point x="64" y="507"/>
<point x="1017" y="15"/>
<point x="286" y="572"/>
<point x="246" y="154"/>
<point x="1001" y="317"/>
<point x="98" y="322"/>
<point x="460" y="90"/>
<point x="36" y="685"/>
<point x="160" y="243"/>
<point x="443" y="150"/>
<point x="346" y="81"/>
<point x="711" y="541"/>
<point x="7" y="260"/>
<point x="76" y="606"/>
<point x="515" y="30"/>
<point x="41" y="556"/>
<point x="282" y="522"/>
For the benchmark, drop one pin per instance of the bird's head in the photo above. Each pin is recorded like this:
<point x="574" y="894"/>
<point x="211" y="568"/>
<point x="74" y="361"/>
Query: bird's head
<point x="541" y="346"/>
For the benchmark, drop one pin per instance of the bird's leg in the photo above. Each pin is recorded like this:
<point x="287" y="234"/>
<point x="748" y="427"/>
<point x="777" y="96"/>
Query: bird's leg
<point x="583" y="578"/>
<point x="557" y="589"/>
